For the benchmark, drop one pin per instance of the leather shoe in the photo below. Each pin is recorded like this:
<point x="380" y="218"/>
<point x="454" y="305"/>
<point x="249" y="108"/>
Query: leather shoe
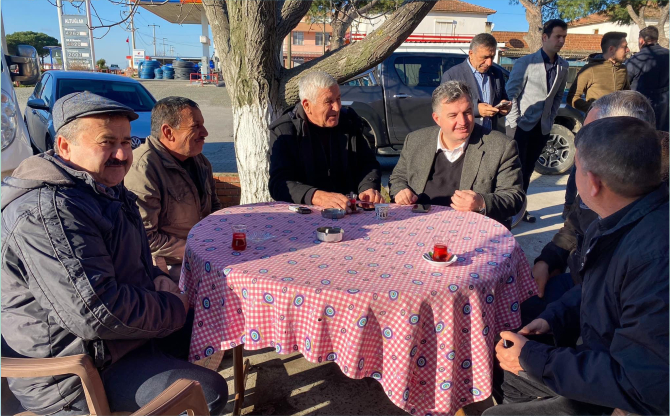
<point x="529" y="218"/>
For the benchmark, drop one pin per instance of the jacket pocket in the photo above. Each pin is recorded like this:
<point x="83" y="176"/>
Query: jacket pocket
<point x="180" y="205"/>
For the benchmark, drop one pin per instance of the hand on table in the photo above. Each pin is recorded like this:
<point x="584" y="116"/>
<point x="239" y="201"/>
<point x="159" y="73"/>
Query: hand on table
<point x="541" y="275"/>
<point x="164" y="284"/>
<point x="509" y="357"/>
<point x="406" y="197"/>
<point x="330" y="200"/>
<point x="487" y="110"/>
<point x="371" y="195"/>
<point x="467" y="201"/>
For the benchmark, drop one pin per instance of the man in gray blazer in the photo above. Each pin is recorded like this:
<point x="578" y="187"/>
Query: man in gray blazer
<point x="535" y="87"/>
<point x="456" y="164"/>
<point x="486" y="82"/>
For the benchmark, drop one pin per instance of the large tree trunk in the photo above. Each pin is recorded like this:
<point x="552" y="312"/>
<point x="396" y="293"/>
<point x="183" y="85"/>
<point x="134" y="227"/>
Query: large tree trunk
<point x="343" y="19"/>
<point x="534" y="17"/>
<point x="662" y="38"/>
<point x="248" y="36"/>
<point x="339" y="31"/>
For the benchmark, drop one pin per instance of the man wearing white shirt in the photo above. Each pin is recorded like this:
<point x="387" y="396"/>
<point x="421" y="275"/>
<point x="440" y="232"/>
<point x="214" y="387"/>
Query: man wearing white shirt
<point x="457" y="164"/>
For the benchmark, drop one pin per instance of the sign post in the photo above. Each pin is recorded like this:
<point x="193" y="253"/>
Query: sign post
<point x="76" y="42"/>
<point x="138" y="56"/>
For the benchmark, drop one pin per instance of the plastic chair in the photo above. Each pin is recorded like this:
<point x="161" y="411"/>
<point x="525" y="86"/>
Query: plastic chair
<point x="182" y="396"/>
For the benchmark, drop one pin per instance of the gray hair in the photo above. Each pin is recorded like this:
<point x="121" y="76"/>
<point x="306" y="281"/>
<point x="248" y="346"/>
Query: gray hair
<point x="485" y="40"/>
<point x="168" y="111"/>
<point x="70" y="131"/>
<point x="625" y="152"/>
<point x="450" y="91"/>
<point x="312" y="82"/>
<point x="624" y="103"/>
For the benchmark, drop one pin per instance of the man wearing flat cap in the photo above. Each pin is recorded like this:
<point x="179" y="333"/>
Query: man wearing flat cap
<point x="77" y="274"/>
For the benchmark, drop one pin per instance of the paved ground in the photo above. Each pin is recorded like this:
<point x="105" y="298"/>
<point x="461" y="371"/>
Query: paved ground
<point x="288" y="384"/>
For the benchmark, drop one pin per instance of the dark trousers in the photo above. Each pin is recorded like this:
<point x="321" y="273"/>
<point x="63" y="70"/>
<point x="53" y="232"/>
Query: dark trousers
<point x="571" y="188"/>
<point x="141" y="375"/>
<point x="523" y="396"/>
<point x="530" y="145"/>
<point x="555" y="288"/>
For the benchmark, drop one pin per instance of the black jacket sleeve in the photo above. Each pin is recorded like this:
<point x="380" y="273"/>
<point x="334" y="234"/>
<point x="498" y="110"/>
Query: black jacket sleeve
<point x="284" y="185"/>
<point x="369" y="169"/>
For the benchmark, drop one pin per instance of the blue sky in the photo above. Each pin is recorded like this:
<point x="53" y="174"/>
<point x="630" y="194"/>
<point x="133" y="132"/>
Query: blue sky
<point x="40" y="16"/>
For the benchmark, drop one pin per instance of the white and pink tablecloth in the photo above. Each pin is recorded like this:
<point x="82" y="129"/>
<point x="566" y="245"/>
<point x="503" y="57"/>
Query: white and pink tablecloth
<point x="370" y="303"/>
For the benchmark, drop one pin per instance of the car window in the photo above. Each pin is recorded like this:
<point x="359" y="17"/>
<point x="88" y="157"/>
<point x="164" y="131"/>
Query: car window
<point x="37" y="92"/>
<point x="363" y="81"/>
<point x="449" y="61"/>
<point x="47" y="90"/>
<point x="419" y="71"/>
<point x="131" y="94"/>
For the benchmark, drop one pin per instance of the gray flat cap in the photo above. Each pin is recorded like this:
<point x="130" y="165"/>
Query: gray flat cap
<point x="83" y="104"/>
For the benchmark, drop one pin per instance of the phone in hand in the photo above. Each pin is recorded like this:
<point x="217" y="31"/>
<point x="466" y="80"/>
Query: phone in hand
<point x="503" y="103"/>
<point x="421" y="208"/>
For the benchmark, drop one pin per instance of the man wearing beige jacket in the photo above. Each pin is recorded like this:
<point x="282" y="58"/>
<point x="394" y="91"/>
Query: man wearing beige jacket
<point x="172" y="180"/>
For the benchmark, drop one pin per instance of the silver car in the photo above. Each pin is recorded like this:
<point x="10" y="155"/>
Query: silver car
<point x="56" y="84"/>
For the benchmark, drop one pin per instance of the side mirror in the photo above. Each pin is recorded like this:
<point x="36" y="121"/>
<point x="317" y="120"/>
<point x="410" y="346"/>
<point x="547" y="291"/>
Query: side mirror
<point x="38" y="104"/>
<point x="27" y="63"/>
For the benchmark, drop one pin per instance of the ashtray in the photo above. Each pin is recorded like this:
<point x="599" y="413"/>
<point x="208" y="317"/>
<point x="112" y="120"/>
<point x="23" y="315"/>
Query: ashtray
<point x="430" y="260"/>
<point x="330" y="234"/>
<point x="259" y="236"/>
<point x="333" y="213"/>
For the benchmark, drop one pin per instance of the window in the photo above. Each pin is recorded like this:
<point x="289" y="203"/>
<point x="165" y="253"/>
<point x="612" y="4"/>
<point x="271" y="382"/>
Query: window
<point x="595" y="31"/>
<point x="48" y="89"/>
<point x="444" y="28"/>
<point x="131" y="94"/>
<point x="364" y="81"/>
<point x="319" y="39"/>
<point x="37" y="92"/>
<point x="298" y="38"/>
<point x="424" y="71"/>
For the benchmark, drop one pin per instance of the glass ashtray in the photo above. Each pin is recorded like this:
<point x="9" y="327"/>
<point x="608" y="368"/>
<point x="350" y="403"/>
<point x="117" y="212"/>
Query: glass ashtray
<point x="259" y="236"/>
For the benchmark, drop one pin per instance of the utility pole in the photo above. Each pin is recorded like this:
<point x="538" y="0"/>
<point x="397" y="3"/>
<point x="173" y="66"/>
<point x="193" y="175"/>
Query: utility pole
<point x="90" y="33"/>
<point x="164" y="39"/>
<point x="59" y="4"/>
<point x="154" y="26"/>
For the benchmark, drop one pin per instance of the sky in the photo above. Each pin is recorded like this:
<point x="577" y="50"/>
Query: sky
<point x="41" y="16"/>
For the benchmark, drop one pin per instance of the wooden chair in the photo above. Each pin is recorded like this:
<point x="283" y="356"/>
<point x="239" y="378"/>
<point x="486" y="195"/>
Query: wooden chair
<point x="182" y="396"/>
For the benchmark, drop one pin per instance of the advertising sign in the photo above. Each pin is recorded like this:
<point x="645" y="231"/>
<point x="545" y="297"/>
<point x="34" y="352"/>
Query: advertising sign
<point x="138" y="56"/>
<point x="77" y="45"/>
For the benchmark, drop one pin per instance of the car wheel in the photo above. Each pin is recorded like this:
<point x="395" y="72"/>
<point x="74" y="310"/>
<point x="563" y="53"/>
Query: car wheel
<point x="558" y="154"/>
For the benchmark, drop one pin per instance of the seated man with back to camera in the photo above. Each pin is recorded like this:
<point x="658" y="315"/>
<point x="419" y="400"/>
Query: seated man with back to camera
<point x="457" y="164"/>
<point x="319" y="152"/>
<point x="77" y="276"/>
<point x="173" y="180"/>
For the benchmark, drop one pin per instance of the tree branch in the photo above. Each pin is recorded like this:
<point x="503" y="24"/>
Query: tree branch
<point x="665" y="10"/>
<point x="217" y="15"/>
<point x="639" y="20"/>
<point x="292" y="11"/>
<point x="363" y="55"/>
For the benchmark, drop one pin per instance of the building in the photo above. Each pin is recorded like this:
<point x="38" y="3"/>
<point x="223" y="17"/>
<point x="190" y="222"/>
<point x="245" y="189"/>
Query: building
<point x="307" y="41"/>
<point x="600" y="23"/>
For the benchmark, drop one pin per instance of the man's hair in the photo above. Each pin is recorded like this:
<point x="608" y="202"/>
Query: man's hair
<point x="624" y="103"/>
<point x="312" y="82"/>
<point x="450" y="91"/>
<point x="168" y="111"/>
<point x="611" y="39"/>
<point x="549" y="26"/>
<point x="624" y="152"/>
<point x="485" y="40"/>
<point x="649" y="34"/>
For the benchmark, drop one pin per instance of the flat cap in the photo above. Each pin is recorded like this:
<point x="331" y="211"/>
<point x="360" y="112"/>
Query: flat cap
<point x="83" y="104"/>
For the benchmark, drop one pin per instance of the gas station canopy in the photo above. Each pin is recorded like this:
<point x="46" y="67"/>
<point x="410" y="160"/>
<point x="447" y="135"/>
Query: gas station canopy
<point x="175" y="11"/>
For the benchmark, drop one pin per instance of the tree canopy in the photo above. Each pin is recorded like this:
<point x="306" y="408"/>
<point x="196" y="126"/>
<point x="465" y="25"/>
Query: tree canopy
<point x="37" y="40"/>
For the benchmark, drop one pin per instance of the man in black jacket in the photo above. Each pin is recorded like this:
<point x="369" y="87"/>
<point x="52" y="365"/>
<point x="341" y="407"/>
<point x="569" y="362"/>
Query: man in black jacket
<point x="620" y="311"/>
<point x="77" y="275"/>
<point x="486" y="82"/>
<point x="319" y="152"/>
<point x="648" y="74"/>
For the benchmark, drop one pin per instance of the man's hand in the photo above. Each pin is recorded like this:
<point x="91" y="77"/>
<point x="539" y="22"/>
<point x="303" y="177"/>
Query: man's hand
<point x="505" y="109"/>
<point x="536" y="327"/>
<point x="164" y="284"/>
<point x="330" y="200"/>
<point x="406" y="197"/>
<point x="467" y="201"/>
<point x="371" y="195"/>
<point x="542" y="275"/>
<point x="509" y="357"/>
<point x="487" y="110"/>
<point x="184" y="299"/>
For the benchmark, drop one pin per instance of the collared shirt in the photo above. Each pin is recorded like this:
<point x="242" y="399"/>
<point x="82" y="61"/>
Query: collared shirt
<point x="552" y="69"/>
<point x="483" y="85"/>
<point x="452" y="155"/>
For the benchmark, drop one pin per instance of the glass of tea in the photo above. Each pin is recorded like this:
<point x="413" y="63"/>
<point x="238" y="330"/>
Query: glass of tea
<point x="440" y="251"/>
<point x="352" y="201"/>
<point x="239" y="237"/>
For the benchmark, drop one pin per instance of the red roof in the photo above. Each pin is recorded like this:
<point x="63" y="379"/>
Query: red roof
<point x="602" y="17"/>
<point x="574" y="43"/>
<point x="457" y="6"/>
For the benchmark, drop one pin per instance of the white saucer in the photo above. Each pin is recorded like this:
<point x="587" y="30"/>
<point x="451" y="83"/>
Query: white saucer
<point x="452" y="260"/>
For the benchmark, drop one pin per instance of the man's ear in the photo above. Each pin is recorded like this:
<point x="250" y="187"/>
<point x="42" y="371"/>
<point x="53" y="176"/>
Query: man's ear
<point x="595" y="184"/>
<point x="63" y="147"/>
<point x="166" y="130"/>
<point x="436" y="118"/>
<point x="307" y="106"/>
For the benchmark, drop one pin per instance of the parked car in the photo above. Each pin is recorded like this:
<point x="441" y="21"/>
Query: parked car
<point x="15" y="140"/>
<point x="394" y="99"/>
<point x="55" y="84"/>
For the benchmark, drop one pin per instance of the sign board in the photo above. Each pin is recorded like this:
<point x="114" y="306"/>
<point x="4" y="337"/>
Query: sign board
<point x="77" y="44"/>
<point x="138" y="56"/>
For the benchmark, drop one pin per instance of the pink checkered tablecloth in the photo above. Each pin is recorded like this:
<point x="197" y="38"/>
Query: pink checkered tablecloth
<point x="370" y="303"/>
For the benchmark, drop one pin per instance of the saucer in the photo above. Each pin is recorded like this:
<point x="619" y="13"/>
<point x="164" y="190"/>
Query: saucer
<point x="430" y="260"/>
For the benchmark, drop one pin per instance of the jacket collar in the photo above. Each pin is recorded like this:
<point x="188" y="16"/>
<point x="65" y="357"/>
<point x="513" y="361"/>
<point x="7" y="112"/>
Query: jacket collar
<point x="643" y="207"/>
<point x="168" y="160"/>
<point x="473" y="157"/>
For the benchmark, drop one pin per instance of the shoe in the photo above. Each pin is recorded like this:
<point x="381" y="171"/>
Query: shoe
<point x="529" y="218"/>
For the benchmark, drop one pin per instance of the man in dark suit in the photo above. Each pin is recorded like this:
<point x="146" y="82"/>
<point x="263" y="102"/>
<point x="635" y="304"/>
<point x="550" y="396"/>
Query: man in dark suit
<point x="486" y="82"/>
<point x="457" y="164"/>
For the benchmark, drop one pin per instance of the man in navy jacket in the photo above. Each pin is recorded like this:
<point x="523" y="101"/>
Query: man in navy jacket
<point x="620" y="311"/>
<point x="486" y="82"/>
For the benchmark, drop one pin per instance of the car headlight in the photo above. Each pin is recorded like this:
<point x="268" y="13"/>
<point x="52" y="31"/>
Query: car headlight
<point x="10" y="120"/>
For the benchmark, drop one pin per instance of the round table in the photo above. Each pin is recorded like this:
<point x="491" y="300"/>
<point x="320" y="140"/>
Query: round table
<point x="370" y="303"/>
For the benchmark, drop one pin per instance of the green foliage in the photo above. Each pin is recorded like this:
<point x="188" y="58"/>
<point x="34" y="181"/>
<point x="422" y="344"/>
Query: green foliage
<point x="35" y="39"/>
<point x="100" y="63"/>
<point x="574" y="9"/>
<point x="328" y="8"/>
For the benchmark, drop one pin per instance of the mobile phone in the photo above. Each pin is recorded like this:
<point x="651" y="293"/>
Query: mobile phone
<point x="502" y="104"/>
<point x="421" y="208"/>
<point x="366" y="206"/>
<point x="299" y="209"/>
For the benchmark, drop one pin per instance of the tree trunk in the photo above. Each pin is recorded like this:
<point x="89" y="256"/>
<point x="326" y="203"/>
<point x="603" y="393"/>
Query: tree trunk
<point x="340" y="25"/>
<point x="534" y="17"/>
<point x="639" y="20"/>
<point x="662" y="38"/>
<point x="339" y="31"/>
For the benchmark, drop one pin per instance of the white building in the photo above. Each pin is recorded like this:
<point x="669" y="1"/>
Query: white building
<point x="599" y="24"/>
<point x="448" y="27"/>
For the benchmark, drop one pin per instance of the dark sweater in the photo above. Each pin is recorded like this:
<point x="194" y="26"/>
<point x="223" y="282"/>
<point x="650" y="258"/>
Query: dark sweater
<point x="443" y="180"/>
